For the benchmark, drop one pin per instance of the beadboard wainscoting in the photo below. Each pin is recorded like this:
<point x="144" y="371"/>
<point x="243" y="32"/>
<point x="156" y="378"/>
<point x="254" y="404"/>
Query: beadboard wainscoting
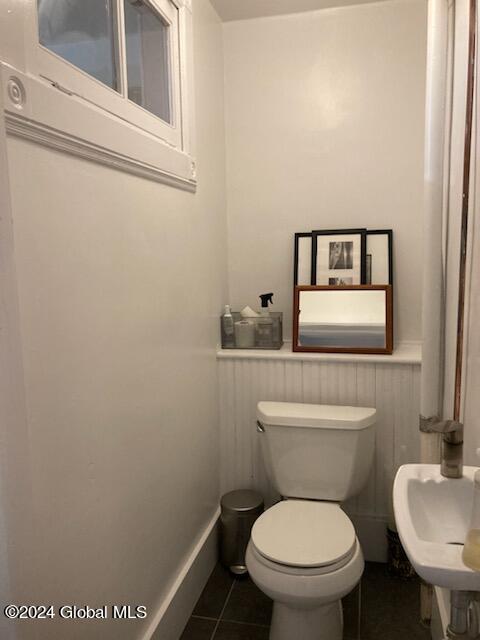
<point x="392" y="385"/>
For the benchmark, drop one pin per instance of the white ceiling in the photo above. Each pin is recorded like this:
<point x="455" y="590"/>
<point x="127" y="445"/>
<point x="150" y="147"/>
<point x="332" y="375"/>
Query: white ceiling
<point x="244" y="9"/>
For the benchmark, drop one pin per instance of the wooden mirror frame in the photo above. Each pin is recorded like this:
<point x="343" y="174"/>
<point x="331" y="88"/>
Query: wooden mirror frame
<point x="387" y="350"/>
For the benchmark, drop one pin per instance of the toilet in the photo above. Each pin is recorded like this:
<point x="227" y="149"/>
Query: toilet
<point x="303" y="552"/>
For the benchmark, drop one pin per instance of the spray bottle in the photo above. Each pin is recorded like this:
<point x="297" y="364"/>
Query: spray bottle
<point x="264" y="324"/>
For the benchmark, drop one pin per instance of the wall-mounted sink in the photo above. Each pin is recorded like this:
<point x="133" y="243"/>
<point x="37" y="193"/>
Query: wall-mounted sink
<point x="432" y="515"/>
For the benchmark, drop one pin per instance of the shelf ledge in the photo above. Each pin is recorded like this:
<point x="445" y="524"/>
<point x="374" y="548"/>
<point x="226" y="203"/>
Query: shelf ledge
<point x="409" y="353"/>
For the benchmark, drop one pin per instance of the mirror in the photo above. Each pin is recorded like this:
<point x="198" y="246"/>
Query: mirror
<point x="353" y="319"/>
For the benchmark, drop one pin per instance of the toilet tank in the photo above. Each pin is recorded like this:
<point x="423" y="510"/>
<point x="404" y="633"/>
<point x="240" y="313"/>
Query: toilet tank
<point x="318" y="452"/>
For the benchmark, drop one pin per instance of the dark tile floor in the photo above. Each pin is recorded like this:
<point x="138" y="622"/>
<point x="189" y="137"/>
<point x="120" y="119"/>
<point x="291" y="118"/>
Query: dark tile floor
<point x="380" y="608"/>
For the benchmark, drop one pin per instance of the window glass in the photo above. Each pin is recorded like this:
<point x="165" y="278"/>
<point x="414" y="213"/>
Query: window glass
<point x="82" y="32"/>
<point x="148" y="59"/>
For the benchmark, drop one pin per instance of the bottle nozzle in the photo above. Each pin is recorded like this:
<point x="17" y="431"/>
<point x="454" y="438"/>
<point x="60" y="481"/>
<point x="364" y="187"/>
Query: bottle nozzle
<point x="266" y="298"/>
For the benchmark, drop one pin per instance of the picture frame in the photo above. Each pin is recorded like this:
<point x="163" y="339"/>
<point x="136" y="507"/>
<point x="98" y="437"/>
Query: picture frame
<point x="379" y="257"/>
<point x="339" y="257"/>
<point x="302" y="259"/>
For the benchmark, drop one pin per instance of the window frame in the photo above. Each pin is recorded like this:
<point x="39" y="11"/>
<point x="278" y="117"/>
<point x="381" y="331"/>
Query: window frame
<point x="97" y="122"/>
<point x="54" y="68"/>
<point x="167" y="11"/>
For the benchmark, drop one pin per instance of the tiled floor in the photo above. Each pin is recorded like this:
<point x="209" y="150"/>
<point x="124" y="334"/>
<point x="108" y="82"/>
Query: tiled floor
<point x="381" y="608"/>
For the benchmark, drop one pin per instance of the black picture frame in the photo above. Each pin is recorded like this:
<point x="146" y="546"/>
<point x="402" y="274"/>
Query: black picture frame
<point x="389" y="257"/>
<point x="362" y="237"/>
<point x="296" y="254"/>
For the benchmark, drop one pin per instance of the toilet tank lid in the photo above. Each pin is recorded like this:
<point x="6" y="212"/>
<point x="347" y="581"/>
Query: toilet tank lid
<point x="326" y="416"/>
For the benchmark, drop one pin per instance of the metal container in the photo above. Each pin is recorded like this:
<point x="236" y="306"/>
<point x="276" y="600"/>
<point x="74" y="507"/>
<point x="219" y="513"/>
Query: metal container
<point x="240" y="509"/>
<point x="277" y="332"/>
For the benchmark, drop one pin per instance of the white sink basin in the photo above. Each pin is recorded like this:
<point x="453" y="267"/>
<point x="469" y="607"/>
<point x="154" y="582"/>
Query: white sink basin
<point x="432" y="515"/>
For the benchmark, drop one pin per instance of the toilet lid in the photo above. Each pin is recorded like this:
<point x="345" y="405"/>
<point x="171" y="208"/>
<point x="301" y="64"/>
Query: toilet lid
<point x="304" y="533"/>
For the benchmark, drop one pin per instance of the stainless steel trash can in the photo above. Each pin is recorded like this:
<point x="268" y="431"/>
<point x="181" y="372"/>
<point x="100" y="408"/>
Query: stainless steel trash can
<point x="240" y="509"/>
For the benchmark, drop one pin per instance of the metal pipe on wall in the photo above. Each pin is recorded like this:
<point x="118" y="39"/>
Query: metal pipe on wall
<point x="439" y="91"/>
<point x="437" y="137"/>
<point x="452" y="443"/>
<point x="467" y="162"/>
<point x="438" y="131"/>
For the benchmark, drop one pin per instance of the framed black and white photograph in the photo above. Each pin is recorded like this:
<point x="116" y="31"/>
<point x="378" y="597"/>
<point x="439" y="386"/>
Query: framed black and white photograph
<point x="379" y="257"/>
<point x="338" y="257"/>
<point x="302" y="259"/>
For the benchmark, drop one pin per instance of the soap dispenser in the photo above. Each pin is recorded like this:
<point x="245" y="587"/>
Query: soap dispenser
<point x="471" y="549"/>
<point x="228" y="331"/>
<point x="264" y="324"/>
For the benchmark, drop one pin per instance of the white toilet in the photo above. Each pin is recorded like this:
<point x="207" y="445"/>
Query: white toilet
<point x="303" y="552"/>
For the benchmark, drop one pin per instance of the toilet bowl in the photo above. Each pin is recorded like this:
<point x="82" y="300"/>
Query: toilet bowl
<point x="305" y="556"/>
<point x="303" y="552"/>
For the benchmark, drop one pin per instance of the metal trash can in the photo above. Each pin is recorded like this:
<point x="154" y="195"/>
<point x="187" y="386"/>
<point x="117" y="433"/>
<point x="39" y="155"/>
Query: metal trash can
<point x="240" y="509"/>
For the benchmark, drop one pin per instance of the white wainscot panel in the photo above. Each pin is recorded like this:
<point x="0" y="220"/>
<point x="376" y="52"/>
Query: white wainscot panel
<point x="392" y="388"/>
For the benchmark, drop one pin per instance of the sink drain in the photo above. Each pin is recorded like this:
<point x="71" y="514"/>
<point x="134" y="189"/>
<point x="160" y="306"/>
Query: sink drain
<point x="460" y="544"/>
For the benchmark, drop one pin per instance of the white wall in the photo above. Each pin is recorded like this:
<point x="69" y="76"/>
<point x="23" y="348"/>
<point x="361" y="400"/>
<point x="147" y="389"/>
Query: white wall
<point x="325" y="129"/>
<point x="471" y="382"/>
<point x="120" y="283"/>
<point x="235" y="10"/>
<point x="15" y="507"/>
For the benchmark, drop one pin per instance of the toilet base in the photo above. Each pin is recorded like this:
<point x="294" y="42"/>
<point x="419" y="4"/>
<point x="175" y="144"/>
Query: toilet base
<point x="322" y="623"/>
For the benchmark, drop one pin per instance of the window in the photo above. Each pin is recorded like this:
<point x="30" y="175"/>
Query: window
<point x="122" y="55"/>
<point x="110" y="81"/>
<point x="148" y="59"/>
<point x="81" y="32"/>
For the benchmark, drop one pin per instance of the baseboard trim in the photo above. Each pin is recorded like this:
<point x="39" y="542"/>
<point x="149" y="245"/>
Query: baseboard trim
<point x="372" y="533"/>
<point x="168" y="622"/>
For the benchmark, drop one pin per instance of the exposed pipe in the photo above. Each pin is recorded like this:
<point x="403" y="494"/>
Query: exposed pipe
<point x="467" y="162"/>
<point x="438" y="129"/>
<point x="452" y="443"/>
<point x="452" y="430"/>
<point x="439" y="91"/>
<point x="437" y="135"/>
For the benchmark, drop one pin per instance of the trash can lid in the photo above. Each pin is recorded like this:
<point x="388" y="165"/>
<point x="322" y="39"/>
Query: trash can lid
<point x="241" y="501"/>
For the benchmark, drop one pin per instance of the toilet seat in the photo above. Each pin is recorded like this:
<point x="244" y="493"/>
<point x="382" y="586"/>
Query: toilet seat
<point x="304" y="572"/>
<point x="305" y="535"/>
